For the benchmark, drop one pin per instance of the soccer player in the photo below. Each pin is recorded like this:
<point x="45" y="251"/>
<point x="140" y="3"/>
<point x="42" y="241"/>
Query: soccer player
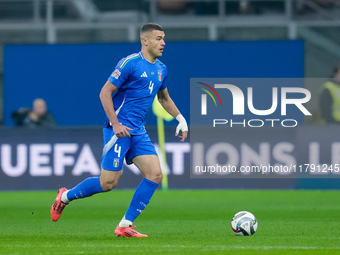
<point x="126" y="98"/>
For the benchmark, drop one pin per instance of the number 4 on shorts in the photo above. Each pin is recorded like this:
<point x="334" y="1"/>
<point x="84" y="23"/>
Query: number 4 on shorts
<point x="117" y="150"/>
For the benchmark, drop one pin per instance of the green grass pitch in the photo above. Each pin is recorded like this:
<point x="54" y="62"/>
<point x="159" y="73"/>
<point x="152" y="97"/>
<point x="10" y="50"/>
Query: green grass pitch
<point x="177" y="222"/>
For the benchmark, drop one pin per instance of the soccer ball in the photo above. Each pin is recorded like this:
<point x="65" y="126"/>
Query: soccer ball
<point x="244" y="224"/>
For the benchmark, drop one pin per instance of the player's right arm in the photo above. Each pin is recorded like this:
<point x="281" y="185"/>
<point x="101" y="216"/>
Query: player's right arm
<point x="106" y="98"/>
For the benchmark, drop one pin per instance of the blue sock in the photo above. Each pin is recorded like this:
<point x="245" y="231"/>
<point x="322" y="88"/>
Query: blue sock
<point x="140" y="199"/>
<point x="86" y="188"/>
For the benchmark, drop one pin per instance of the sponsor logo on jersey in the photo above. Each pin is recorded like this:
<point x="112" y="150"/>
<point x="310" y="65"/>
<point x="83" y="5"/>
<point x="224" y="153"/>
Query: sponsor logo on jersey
<point x="115" y="73"/>
<point x="144" y="75"/>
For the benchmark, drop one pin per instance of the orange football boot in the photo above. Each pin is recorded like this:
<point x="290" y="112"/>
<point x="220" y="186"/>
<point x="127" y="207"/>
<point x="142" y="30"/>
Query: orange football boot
<point x="128" y="232"/>
<point x="58" y="206"/>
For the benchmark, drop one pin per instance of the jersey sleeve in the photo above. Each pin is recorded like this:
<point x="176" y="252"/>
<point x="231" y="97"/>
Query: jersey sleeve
<point x="164" y="83"/>
<point x="121" y="74"/>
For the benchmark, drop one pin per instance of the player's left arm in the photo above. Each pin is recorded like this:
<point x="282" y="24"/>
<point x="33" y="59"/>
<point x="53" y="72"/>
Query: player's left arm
<point x="169" y="105"/>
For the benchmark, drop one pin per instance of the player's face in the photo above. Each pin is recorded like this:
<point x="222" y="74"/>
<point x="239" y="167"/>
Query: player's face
<point x="156" y="43"/>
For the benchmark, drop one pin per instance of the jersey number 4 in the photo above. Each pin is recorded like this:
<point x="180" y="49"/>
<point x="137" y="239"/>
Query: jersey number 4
<point x="117" y="150"/>
<point x="151" y="86"/>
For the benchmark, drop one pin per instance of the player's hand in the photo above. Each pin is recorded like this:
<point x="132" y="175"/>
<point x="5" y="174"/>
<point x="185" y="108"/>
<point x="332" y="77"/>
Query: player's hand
<point x="121" y="130"/>
<point x="182" y="126"/>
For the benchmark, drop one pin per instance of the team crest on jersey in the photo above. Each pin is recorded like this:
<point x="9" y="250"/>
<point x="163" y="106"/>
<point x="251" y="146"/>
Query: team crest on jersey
<point x="116" y="73"/>
<point x="159" y="75"/>
<point x="116" y="162"/>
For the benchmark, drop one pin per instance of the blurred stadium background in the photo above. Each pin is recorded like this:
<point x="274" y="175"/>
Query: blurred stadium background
<point x="69" y="47"/>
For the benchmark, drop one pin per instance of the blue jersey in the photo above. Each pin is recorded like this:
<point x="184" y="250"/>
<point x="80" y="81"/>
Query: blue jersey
<point x="138" y="82"/>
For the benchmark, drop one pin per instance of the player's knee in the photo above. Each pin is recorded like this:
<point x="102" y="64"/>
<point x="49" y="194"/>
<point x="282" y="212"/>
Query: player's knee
<point x="109" y="185"/>
<point x="157" y="178"/>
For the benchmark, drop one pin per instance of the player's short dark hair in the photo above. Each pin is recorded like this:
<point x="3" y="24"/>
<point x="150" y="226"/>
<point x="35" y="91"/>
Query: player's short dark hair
<point x="149" y="27"/>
